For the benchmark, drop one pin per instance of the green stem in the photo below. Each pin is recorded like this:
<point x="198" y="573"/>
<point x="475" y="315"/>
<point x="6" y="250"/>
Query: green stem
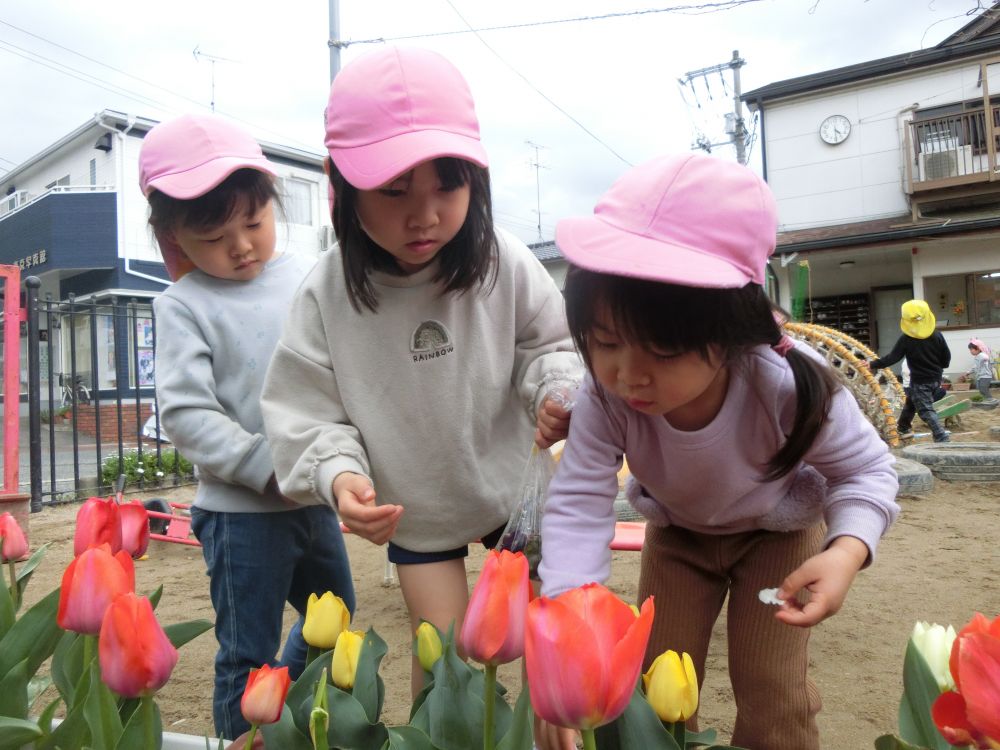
<point x="148" y="721"/>
<point x="89" y="649"/>
<point x="253" y="733"/>
<point x="589" y="743"/>
<point x="678" y="731"/>
<point x="15" y="593"/>
<point x="489" y="699"/>
<point x="311" y="653"/>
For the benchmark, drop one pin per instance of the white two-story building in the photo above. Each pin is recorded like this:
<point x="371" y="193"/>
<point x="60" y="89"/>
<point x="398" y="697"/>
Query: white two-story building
<point x="887" y="177"/>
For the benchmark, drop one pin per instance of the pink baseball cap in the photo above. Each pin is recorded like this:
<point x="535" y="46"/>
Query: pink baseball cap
<point x="191" y="154"/>
<point x="393" y="109"/>
<point x="685" y="219"/>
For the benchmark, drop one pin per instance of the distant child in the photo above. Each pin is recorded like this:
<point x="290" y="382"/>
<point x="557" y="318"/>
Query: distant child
<point x="982" y="369"/>
<point x="416" y="361"/>
<point x="740" y="442"/>
<point x="212" y="197"/>
<point x="927" y="354"/>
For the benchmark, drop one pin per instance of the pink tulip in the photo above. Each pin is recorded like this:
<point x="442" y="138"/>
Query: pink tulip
<point x="583" y="655"/>
<point x="493" y="630"/>
<point x="264" y="695"/>
<point x="89" y="585"/>
<point x="135" y="654"/>
<point x="97" y="522"/>
<point x="970" y="715"/>
<point x="135" y="528"/>
<point x="13" y="544"/>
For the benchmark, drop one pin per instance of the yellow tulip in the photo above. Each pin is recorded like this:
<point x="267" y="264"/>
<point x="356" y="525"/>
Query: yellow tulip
<point x="344" y="666"/>
<point x="672" y="687"/>
<point x="428" y="646"/>
<point x="326" y="618"/>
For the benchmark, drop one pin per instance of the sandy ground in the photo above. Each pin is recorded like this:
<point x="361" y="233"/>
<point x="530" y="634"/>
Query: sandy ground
<point x="938" y="563"/>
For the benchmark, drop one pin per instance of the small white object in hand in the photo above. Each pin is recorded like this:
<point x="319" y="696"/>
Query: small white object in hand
<point x="770" y="596"/>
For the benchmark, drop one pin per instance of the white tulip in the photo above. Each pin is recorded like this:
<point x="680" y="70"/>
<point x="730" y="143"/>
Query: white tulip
<point x="934" y="644"/>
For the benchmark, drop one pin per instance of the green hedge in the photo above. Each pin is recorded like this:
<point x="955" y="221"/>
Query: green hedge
<point x="152" y="473"/>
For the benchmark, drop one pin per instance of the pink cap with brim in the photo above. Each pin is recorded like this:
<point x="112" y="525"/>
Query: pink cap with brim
<point x="396" y="108"/>
<point x="690" y="219"/>
<point x="188" y="156"/>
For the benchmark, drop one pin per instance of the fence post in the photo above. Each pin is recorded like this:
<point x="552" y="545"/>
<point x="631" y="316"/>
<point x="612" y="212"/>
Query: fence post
<point x="11" y="375"/>
<point x="32" y="285"/>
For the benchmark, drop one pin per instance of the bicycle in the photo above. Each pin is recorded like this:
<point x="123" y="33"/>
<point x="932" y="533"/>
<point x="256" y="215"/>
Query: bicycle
<point x="78" y="394"/>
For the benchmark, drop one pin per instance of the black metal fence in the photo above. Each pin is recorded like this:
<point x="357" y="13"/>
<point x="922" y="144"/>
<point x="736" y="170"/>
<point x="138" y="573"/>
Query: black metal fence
<point x="91" y="399"/>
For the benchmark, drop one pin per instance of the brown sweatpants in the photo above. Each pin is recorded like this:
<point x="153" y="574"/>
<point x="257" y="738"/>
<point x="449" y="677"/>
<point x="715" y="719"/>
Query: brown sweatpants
<point x="689" y="574"/>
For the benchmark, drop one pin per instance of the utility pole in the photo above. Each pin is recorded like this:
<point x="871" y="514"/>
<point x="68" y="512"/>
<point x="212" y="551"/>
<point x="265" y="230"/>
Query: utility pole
<point x="737" y="132"/>
<point x="334" y="42"/>
<point x="537" y="164"/>
<point x="198" y="54"/>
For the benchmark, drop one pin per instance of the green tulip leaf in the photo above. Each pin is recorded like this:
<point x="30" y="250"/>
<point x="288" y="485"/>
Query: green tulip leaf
<point x="135" y="732"/>
<point x="67" y="665"/>
<point x="37" y="685"/>
<point x="418" y="702"/>
<point x="101" y="712"/>
<point x="300" y="694"/>
<point x="920" y="690"/>
<point x="14" y="691"/>
<point x="369" y="690"/>
<point x="349" y="726"/>
<point x="520" y="734"/>
<point x="284" y="734"/>
<point x="407" y="738"/>
<point x="16" y="733"/>
<point x="181" y="632"/>
<point x="45" y="719"/>
<point x="454" y="712"/>
<point x="637" y="728"/>
<point x="24" y="572"/>
<point x="154" y="598"/>
<point x="892" y="742"/>
<point x="73" y="731"/>
<point x="704" y="738"/>
<point x="7" y="613"/>
<point x="33" y="637"/>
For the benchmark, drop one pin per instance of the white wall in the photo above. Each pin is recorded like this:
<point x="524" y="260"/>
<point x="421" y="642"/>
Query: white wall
<point x="862" y="178"/>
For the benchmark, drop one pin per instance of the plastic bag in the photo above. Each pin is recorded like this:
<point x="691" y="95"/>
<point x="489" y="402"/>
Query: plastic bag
<point x="523" y="532"/>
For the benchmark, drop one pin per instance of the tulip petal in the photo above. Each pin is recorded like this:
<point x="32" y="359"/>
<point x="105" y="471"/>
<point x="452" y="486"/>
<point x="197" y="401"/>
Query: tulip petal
<point x="264" y="695"/>
<point x="484" y="628"/>
<point x="979" y="665"/>
<point x="948" y="713"/>
<point x="13" y="543"/>
<point x="609" y="617"/>
<point x="135" y="654"/>
<point x="89" y="584"/>
<point x="626" y="658"/>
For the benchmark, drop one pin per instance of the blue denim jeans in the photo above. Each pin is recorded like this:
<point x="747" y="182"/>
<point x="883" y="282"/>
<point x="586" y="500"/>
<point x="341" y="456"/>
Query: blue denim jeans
<point x="257" y="562"/>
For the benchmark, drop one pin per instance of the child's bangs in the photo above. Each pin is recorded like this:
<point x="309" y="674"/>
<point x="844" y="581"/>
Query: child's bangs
<point x="453" y="172"/>
<point x="245" y="189"/>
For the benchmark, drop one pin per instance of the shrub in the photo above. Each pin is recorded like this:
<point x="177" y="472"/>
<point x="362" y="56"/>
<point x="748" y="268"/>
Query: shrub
<point x="148" y="470"/>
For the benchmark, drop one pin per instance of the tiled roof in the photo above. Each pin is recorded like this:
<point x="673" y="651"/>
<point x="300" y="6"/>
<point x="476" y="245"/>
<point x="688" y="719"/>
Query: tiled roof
<point x="545" y="251"/>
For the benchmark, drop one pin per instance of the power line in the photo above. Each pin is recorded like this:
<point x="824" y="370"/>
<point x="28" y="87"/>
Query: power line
<point x="537" y="90"/>
<point x="695" y="9"/>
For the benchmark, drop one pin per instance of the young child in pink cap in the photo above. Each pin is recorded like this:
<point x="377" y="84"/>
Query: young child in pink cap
<point x="740" y="442"/>
<point x="982" y="368"/>
<point x="414" y="369"/>
<point x="212" y="198"/>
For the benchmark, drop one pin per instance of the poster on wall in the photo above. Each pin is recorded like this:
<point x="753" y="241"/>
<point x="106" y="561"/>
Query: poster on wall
<point x="144" y="332"/>
<point x="145" y="367"/>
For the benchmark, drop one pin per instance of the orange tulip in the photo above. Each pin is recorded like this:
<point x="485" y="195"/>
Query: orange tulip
<point x="135" y="654"/>
<point x="13" y="544"/>
<point x="264" y="695"/>
<point x="970" y="715"/>
<point x="583" y="655"/>
<point x="493" y="630"/>
<point x="89" y="585"/>
<point x="135" y="528"/>
<point x="97" y="522"/>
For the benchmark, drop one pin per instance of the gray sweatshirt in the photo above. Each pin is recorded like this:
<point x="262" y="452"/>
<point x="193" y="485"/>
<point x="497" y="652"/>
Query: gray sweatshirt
<point x="433" y="397"/>
<point x="214" y="340"/>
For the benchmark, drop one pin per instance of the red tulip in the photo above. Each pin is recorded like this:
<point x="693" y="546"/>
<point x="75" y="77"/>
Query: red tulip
<point x="13" y="544"/>
<point x="136" y="655"/>
<point x="97" y="522"/>
<point x="89" y="585"/>
<point x="970" y="715"/>
<point x="493" y="630"/>
<point x="583" y="655"/>
<point x="135" y="528"/>
<point x="264" y="695"/>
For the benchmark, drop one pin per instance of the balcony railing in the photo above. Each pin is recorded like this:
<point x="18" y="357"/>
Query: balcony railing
<point x="953" y="150"/>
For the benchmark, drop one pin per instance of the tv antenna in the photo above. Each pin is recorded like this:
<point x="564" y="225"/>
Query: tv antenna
<point x="198" y="54"/>
<point x="537" y="164"/>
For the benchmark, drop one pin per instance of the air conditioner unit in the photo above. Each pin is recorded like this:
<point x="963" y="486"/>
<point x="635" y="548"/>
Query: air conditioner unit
<point x="940" y="165"/>
<point x="327" y="238"/>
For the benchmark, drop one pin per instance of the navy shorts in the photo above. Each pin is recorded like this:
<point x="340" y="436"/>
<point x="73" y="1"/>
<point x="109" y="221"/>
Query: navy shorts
<point x="402" y="556"/>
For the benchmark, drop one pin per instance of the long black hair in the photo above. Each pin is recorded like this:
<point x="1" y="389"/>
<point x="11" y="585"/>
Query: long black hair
<point x="215" y="207"/>
<point x="469" y="260"/>
<point x="674" y="318"/>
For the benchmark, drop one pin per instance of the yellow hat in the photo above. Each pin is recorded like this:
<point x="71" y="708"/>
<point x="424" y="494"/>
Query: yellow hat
<point x="917" y="319"/>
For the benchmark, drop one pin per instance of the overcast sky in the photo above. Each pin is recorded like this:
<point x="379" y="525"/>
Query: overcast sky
<point x="595" y="95"/>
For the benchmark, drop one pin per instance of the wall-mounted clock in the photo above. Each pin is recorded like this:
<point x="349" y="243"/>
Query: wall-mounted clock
<point x="835" y="129"/>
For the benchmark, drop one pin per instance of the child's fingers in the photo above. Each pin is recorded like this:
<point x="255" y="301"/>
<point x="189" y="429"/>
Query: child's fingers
<point x="804" y="616"/>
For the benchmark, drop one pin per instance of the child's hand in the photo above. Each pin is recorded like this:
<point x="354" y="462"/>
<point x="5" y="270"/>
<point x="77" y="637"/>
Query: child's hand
<point x="356" y="507"/>
<point x="241" y="742"/>
<point x="553" y="423"/>
<point x="827" y="576"/>
<point x="552" y="737"/>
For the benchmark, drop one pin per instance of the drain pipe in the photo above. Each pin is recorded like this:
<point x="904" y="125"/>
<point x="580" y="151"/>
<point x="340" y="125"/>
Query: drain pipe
<point x="120" y="180"/>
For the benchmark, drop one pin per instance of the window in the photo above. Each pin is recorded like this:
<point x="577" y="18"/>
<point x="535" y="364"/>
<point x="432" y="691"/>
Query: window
<point x="64" y="180"/>
<point x="297" y="196"/>
<point x="93" y="171"/>
<point x="965" y="299"/>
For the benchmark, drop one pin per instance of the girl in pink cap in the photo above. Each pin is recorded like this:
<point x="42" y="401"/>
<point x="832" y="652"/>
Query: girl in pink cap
<point x="982" y="368"/>
<point x="416" y="363"/>
<point x="212" y="199"/>
<point x="740" y="442"/>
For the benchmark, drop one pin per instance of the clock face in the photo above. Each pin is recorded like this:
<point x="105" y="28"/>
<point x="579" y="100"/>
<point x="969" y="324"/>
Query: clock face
<point x="835" y="129"/>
